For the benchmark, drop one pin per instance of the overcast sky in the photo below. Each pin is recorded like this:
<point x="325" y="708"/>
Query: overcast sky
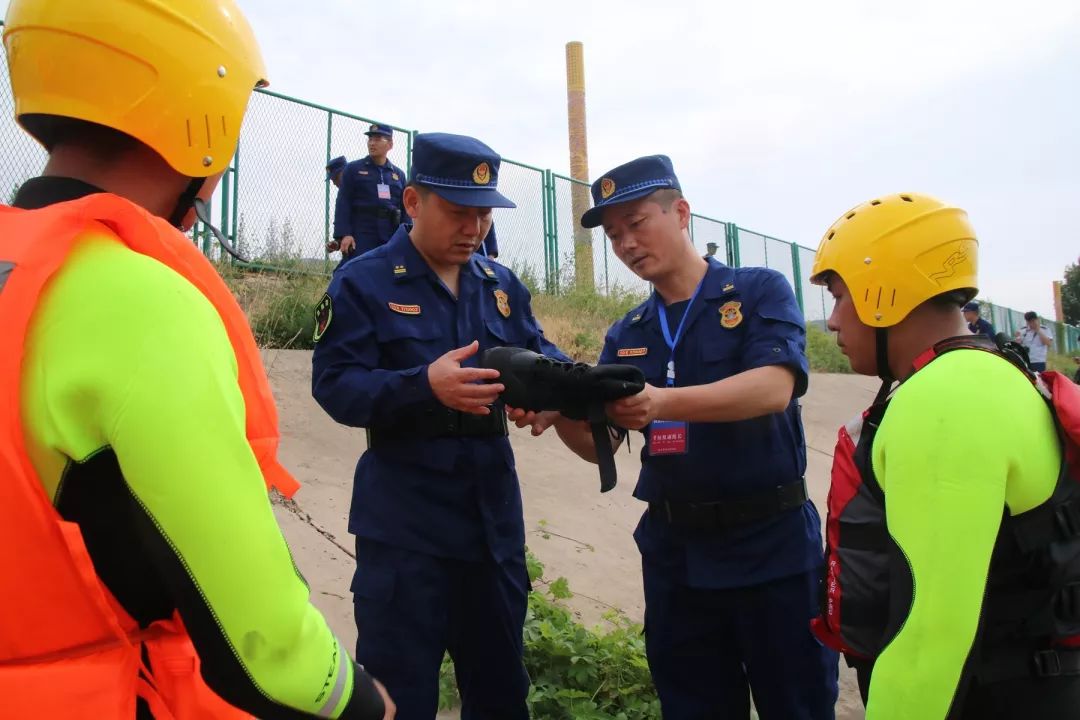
<point x="778" y="115"/>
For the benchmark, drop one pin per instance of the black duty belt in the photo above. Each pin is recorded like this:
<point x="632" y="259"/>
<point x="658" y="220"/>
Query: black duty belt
<point x="436" y="423"/>
<point x="733" y="512"/>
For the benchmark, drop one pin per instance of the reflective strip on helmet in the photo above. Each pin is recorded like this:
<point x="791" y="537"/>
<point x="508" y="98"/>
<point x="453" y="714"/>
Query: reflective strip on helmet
<point x="327" y="709"/>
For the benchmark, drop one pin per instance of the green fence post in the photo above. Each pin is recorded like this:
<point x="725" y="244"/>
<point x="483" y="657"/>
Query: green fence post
<point x="236" y="201"/>
<point x="733" y="243"/>
<point x="554" y="230"/>
<point x="326" y="201"/>
<point x="225" y="230"/>
<point x="607" y="285"/>
<point x="547" y="230"/>
<point x="796" y="270"/>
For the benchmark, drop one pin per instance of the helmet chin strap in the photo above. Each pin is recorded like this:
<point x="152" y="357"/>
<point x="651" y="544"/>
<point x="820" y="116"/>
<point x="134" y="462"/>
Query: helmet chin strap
<point x="189" y="199"/>
<point x="203" y="213"/>
<point x="186" y="201"/>
<point x="884" y="371"/>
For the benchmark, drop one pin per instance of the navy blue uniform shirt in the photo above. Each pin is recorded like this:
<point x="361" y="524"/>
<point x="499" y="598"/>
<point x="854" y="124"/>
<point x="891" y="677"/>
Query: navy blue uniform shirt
<point x="981" y="326"/>
<point x="389" y="317"/>
<point x="360" y="212"/>
<point x="742" y="319"/>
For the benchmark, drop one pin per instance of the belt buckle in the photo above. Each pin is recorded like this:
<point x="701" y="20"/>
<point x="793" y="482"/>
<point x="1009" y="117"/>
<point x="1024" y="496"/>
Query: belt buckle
<point x="1047" y="663"/>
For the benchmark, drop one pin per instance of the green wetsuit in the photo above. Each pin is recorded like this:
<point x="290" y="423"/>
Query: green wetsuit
<point x="963" y="439"/>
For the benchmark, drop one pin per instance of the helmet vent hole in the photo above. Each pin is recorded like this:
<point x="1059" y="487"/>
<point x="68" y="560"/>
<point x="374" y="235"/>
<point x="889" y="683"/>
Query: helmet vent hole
<point x="879" y="291"/>
<point x="206" y="118"/>
<point x="875" y="202"/>
<point x="893" y="301"/>
<point x="866" y="296"/>
<point x="224" y="131"/>
<point x="850" y="215"/>
<point x="831" y="233"/>
<point x="189" y="143"/>
<point x="906" y="198"/>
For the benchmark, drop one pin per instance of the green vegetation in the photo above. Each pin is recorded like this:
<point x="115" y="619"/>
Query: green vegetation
<point x="822" y="352"/>
<point x="577" y="673"/>
<point x="279" y="305"/>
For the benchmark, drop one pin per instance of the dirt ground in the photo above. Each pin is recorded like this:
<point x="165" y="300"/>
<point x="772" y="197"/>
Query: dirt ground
<point x="574" y="530"/>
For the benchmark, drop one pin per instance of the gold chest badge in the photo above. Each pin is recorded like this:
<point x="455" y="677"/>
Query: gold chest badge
<point x="502" y="302"/>
<point x="731" y="314"/>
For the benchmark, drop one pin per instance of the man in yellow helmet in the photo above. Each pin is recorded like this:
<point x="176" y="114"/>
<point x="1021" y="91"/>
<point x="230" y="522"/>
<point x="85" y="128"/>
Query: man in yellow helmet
<point x="144" y="574"/>
<point x="952" y="565"/>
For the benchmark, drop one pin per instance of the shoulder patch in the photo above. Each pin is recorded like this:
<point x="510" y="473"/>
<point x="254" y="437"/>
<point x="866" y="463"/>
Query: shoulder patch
<point x="404" y="309"/>
<point x="324" y="313"/>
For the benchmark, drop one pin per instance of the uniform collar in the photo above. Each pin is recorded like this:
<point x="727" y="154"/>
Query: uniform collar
<point x="406" y="262"/>
<point x="371" y="163"/>
<point x="482" y="268"/>
<point x="719" y="282"/>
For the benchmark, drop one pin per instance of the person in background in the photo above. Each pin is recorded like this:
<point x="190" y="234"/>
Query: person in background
<point x="1037" y="338"/>
<point x="369" y="207"/>
<point x="334" y="169"/>
<point x="976" y="324"/>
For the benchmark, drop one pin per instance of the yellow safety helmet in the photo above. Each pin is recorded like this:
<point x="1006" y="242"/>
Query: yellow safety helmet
<point x="898" y="251"/>
<point x="173" y="74"/>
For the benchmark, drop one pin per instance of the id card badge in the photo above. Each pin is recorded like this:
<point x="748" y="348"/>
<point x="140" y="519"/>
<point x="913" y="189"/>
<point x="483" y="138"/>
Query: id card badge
<point x="384" y="191"/>
<point x="668" y="437"/>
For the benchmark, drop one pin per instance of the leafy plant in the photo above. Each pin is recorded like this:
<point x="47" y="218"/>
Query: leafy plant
<point x="577" y="673"/>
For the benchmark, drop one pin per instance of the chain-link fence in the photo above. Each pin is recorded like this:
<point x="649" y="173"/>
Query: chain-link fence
<point x="1009" y="321"/>
<point x="276" y="207"/>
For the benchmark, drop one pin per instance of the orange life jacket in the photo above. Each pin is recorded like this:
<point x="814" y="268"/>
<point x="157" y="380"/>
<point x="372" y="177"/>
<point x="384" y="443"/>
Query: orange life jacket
<point x="67" y="647"/>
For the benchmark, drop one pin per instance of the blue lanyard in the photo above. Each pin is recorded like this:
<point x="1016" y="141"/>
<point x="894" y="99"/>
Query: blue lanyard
<point x="673" y="342"/>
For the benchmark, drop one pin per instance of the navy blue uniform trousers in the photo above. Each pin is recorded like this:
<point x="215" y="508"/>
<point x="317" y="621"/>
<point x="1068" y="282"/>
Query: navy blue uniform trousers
<point x="709" y="649"/>
<point x="412" y="607"/>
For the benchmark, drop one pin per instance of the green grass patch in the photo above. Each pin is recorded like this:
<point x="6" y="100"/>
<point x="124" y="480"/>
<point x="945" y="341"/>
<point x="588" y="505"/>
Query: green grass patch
<point x="577" y="673"/>
<point x="280" y="305"/>
<point x="822" y="352"/>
